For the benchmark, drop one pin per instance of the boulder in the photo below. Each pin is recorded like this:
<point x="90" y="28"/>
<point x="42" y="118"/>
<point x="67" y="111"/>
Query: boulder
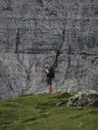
<point x="89" y="97"/>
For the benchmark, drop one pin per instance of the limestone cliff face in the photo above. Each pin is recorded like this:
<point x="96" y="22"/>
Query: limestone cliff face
<point x="60" y="32"/>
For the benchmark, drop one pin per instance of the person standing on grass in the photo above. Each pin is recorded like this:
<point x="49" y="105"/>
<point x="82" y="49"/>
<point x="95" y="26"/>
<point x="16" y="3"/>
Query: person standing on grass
<point x="50" y="74"/>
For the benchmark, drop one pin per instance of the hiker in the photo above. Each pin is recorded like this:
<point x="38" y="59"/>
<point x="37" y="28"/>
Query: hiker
<point x="50" y="74"/>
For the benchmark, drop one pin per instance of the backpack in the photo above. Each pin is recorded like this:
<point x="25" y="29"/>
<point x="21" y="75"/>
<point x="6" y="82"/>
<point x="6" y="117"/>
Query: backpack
<point x="52" y="72"/>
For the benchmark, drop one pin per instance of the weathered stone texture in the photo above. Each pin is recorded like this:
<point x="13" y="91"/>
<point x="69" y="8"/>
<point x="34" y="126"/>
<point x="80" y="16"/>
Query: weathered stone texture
<point x="34" y="32"/>
<point x="83" y="99"/>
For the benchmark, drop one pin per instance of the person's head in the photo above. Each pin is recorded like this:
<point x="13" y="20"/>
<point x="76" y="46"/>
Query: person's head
<point x="47" y="66"/>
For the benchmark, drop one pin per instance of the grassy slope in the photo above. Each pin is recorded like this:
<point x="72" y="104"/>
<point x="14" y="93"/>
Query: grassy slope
<point x="39" y="112"/>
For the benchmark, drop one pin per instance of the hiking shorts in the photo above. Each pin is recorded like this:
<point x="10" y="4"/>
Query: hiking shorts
<point x="49" y="81"/>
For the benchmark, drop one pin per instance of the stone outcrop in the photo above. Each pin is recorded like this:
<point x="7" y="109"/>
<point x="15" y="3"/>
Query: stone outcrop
<point x="84" y="98"/>
<point x="59" y="32"/>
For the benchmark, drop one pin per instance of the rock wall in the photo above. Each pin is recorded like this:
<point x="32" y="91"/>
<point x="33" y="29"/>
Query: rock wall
<point x="59" y="32"/>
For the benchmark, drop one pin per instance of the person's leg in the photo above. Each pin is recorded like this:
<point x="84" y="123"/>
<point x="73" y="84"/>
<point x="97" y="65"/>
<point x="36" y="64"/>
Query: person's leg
<point x="50" y="88"/>
<point x="49" y="83"/>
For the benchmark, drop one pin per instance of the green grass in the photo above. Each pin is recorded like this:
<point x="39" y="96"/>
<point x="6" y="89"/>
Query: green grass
<point x="40" y="112"/>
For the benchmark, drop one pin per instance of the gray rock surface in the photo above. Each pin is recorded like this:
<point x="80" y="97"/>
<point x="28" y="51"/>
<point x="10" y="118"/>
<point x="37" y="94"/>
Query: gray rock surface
<point x="84" y="98"/>
<point x="60" y="32"/>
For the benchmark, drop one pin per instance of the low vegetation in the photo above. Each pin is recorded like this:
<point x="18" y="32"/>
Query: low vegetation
<point x="46" y="112"/>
